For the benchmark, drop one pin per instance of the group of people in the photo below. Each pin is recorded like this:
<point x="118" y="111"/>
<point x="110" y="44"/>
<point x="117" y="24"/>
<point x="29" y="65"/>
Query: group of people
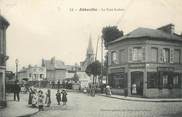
<point x="39" y="99"/>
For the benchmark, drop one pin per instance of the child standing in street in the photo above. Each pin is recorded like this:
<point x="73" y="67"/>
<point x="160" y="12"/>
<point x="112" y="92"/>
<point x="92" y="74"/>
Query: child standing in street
<point x="58" y="97"/>
<point x="41" y="100"/>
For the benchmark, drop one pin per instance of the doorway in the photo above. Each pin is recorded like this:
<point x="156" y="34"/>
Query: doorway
<point x="137" y="83"/>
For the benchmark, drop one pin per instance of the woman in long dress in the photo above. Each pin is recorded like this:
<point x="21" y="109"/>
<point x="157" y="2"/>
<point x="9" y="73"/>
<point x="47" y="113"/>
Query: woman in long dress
<point x="64" y="96"/>
<point x="48" y="98"/>
<point x="30" y="96"/>
<point x="34" y="99"/>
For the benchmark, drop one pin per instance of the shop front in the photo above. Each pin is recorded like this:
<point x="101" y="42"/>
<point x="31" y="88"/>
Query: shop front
<point x="117" y="81"/>
<point x="165" y="82"/>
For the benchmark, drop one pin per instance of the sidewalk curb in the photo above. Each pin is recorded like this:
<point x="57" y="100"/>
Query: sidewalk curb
<point x="28" y="115"/>
<point x="139" y="100"/>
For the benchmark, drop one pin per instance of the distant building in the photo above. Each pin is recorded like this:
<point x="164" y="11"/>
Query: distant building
<point x="146" y="62"/>
<point x="84" y="79"/>
<point x="55" y="69"/>
<point x="32" y="73"/>
<point x="89" y="56"/>
<point x="10" y="76"/>
<point x="73" y="68"/>
<point x="3" y="58"/>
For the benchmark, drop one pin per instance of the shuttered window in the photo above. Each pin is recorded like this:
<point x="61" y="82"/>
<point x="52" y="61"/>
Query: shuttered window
<point x="122" y="56"/>
<point x="130" y="54"/>
<point x="171" y="55"/>
<point x="177" y="55"/>
<point x="154" y="54"/>
<point x="137" y="54"/>
<point x="166" y="55"/>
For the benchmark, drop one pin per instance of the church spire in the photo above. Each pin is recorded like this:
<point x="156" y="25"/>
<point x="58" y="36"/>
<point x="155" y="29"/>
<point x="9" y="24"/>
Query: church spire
<point x="90" y="47"/>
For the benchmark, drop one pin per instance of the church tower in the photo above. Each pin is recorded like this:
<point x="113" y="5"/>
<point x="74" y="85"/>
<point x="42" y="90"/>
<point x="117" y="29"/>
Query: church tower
<point x="90" y="51"/>
<point x="89" y="56"/>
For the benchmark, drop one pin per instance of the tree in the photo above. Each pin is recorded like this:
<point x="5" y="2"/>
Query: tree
<point x="111" y="33"/>
<point x="94" y="69"/>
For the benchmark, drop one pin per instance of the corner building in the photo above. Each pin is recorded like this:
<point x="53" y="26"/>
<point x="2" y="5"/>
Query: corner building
<point x="150" y="59"/>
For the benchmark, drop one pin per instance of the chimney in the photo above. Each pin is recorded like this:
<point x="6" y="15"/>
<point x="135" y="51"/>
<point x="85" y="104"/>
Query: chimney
<point x="29" y="66"/>
<point x="53" y="59"/>
<point x="167" y="28"/>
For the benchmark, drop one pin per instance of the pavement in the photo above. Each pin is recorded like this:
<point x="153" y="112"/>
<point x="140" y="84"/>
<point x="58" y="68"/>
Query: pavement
<point x="82" y="105"/>
<point x="140" y="99"/>
<point x="17" y="109"/>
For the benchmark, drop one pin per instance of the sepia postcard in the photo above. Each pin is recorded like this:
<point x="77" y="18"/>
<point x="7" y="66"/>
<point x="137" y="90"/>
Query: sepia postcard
<point x="90" y="58"/>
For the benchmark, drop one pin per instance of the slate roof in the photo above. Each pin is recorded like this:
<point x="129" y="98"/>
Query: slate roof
<point x="51" y="66"/>
<point x="150" y="33"/>
<point x="83" y="76"/>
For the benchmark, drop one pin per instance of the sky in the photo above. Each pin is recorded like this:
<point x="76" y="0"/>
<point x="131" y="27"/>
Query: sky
<point x="46" y="28"/>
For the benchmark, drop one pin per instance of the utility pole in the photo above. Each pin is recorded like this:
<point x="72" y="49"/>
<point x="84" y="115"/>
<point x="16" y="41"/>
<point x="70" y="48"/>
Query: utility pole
<point x="94" y="79"/>
<point x="96" y="48"/>
<point x="16" y="62"/>
<point x="101" y="59"/>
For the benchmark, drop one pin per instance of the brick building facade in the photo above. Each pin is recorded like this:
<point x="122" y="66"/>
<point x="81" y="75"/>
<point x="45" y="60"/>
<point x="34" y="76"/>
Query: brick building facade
<point x="147" y="60"/>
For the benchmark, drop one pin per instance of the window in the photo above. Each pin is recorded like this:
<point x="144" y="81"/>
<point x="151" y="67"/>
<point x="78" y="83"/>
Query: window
<point x="117" y="80"/>
<point x="165" y="81"/>
<point x="166" y="55"/>
<point x="152" y="80"/>
<point x="154" y="54"/>
<point x="177" y="55"/>
<point x="41" y="75"/>
<point x="137" y="54"/>
<point x="122" y="54"/>
<point x="176" y="81"/>
<point x="114" y="58"/>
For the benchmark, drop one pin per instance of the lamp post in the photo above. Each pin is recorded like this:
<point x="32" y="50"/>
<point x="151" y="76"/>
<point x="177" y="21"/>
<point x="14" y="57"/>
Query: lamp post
<point x="16" y="62"/>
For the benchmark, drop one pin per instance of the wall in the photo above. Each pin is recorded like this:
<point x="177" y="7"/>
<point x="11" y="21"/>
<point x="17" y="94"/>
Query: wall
<point x="163" y="93"/>
<point x="2" y="87"/>
<point x="60" y="74"/>
<point x="117" y="91"/>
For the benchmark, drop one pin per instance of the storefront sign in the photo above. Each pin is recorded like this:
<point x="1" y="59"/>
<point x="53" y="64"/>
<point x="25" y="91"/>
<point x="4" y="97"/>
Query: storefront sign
<point x="136" y="65"/>
<point x="116" y="70"/>
<point x="165" y="68"/>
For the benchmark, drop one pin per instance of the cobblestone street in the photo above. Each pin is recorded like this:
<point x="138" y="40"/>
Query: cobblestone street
<point x="82" y="105"/>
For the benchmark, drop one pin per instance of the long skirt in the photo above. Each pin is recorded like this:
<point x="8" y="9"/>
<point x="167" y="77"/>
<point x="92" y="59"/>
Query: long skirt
<point x="30" y="98"/>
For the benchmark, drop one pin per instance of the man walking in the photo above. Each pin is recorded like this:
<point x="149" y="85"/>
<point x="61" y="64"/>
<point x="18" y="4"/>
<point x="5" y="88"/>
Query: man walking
<point x="16" y="91"/>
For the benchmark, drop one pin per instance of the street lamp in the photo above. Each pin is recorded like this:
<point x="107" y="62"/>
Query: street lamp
<point x="16" y="62"/>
